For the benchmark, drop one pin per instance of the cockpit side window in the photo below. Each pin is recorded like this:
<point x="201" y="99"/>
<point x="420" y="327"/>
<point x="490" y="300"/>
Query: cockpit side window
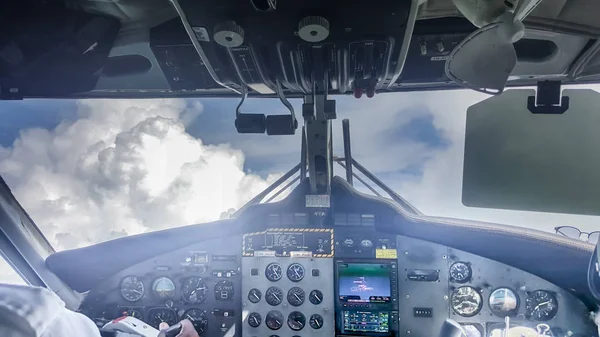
<point x="8" y="274"/>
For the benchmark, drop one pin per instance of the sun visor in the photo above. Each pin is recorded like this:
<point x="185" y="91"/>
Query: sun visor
<point x="517" y="159"/>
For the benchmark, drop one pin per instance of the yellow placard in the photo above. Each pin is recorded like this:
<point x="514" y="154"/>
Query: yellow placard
<point x="386" y="254"/>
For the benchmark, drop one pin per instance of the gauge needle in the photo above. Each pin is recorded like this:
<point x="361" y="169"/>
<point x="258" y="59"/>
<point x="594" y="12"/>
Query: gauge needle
<point x="136" y="291"/>
<point x="190" y="317"/>
<point x="539" y="305"/>
<point x="256" y="296"/>
<point x="317" y="297"/>
<point x="254" y="319"/>
<point x="297" y="297"/>
<point x="317" y="323"/>
<point x="297" y="273"/>
<point x="276" y="297"/>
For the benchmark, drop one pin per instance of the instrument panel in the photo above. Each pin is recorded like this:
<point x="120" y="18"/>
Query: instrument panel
<point x="289" y="282"/>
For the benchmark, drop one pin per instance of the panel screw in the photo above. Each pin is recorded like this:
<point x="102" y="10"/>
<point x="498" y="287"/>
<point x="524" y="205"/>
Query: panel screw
<point x="444" y="257"/>
<point x="407" y="296"/>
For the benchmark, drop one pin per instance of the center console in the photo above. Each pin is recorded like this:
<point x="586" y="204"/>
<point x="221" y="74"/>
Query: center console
<point x="367" y="297"/>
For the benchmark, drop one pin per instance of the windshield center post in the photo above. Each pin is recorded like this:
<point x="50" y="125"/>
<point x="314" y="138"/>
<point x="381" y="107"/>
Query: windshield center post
<point x="318" y="111"/>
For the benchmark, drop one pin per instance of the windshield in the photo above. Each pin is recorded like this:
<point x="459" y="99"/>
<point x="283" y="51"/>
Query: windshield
<point x="94" y="170"/>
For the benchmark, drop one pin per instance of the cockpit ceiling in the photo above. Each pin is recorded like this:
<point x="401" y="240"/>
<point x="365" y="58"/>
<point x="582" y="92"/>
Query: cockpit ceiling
<point x="574" y="15"/>
<point x="579" y="16"/>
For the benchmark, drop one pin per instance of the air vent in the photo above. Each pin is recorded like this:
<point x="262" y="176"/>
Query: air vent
<point x="530" y="50"/>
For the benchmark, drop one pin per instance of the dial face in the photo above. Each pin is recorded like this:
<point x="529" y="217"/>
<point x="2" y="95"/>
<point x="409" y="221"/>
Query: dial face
<point x="194" y="290"/>
<point x="316" y="321"/>
<point x="133" y="313"/>
<point x="460" y="272"/>
<point x="132" y="288"/>
<point x="296" y="296"/>
<point x="466" y="301"/>
<point x="295" y="272"/>
<point x="472" y="330"/>
<point x="296" y="320"/>
<point x="163" y="287"/>
<point x="274" y="320"/>
<point x="159" y="315"/>
<point x="503" y="302"/>
<point x="274" y="296"/>
<point x="273" y="272"/>
<point x="224" y="290"/>
<point x="254" y="319"/>
<point x="541" y="305"/>
<point x="254" y="295"/>
<point x="198" y="319"/>
<point x="315" y="297"/>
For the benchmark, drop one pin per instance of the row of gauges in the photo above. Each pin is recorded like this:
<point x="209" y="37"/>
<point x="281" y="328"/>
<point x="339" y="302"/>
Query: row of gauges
<point x="155" y="316"/>
<point x="295" y="320"/>
<point x="540" y="305"/>
<point x="295" y="296"/>
<point x="193" y="289"/>
<point x="274" y="272"/>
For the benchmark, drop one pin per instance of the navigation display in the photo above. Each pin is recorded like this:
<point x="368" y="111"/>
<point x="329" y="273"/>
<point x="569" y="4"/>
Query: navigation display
<point x="364" y="282"/>
<point x="366" y="321"/>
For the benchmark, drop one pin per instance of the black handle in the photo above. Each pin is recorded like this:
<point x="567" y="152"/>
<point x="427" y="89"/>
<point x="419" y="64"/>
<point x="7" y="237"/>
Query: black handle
<point x="172" y="331"/>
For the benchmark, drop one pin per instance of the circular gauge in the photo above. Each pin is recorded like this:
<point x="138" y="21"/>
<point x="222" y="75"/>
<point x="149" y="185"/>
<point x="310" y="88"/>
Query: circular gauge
<point x="503" y="302"/>
<point x="460" y="272"/>
<point x="254" y="320"/>
<point x="133" y="313"/>
<point x="316" y="321"/>
<point x="274" y="296"/>
<point x="466" y="301"/>
<point x="541" y="305"/>
<point x="295" y="272"/>
<point x="273" y="272"/>
<point x="517" y="331"/>
<point x="472" y="330"/>
<point x="159" y="315"/>
<point x="295" y="296"/>
<point x="194" y="290"/>
<point x="163" y="287"/>
<point x="296" y="320"/>
<point x="132" y="288"/>
<point x="254" y="295"/>
<point x="224" y="290"/>
<point x="274" y="320"/>
<point x="315" y="297"/>
<point x="198" y="319"/>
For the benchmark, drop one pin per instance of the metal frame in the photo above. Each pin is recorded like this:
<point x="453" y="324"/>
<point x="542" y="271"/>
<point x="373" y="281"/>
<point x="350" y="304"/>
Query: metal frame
<point x="25" y="247"/>
<point x="346" y="162"/>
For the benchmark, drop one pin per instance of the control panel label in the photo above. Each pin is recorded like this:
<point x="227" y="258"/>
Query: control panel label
<point x="316" y="242"/>
<point x="386" y="254"/>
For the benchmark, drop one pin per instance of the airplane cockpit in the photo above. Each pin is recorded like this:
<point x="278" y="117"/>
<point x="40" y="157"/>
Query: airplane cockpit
<point x="326" y="258"/>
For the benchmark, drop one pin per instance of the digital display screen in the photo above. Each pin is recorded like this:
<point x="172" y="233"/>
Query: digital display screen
<point x="364" y="282"/>
<point x="366" y="321"/>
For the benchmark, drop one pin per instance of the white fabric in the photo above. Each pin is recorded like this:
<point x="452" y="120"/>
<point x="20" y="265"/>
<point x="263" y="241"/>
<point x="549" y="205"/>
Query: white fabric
<point x="27" y="311"/>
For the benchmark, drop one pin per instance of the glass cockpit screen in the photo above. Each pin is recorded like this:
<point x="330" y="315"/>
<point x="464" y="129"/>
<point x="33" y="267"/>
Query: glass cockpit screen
<point x="364" y="283"/>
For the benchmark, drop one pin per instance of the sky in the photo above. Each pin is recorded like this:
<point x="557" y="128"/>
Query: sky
<point x="93" y="170"/>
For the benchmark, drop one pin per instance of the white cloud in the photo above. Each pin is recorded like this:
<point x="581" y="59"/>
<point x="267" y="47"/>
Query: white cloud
<point x="124" y="167"/>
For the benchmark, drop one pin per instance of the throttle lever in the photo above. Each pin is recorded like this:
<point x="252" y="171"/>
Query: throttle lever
<point x="172" y="331"/>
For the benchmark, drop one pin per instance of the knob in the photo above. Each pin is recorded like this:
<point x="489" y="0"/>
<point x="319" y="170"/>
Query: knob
<point x="313" y="29"/>
<point x="440" y="47"/>
<point x="228" y="34"/>
<point x="423" y="46"/>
